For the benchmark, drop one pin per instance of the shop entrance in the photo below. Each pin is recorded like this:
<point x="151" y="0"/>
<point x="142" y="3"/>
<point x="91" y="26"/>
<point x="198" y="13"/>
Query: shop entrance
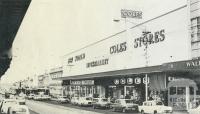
<point x="130" y="92"/>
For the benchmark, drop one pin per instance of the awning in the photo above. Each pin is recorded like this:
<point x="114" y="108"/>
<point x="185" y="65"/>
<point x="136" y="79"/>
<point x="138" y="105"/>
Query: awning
<point x="143" y="70"/>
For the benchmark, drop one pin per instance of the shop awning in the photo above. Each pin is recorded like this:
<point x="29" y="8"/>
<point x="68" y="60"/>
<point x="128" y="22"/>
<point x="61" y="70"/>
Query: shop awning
<point x="142" y="70"/>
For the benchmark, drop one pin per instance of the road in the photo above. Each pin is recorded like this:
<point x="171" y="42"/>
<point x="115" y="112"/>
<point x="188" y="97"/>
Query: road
<point x="53" y="107"/>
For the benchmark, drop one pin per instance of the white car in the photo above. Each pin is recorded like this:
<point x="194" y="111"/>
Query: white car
<point x="37" y="97"/>
<point x="154" y="107"/>
<point x="63" y="99"/>
<point x="194" y="110"/>
<point x="31" y="96"/>
<point x="74" y="100"/>
<point x="85" y="101"/>
<point x="6" y="103"/>
<point x="18" y="109"/>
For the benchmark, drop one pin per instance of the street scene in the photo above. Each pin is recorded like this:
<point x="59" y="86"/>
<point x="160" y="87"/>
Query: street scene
<point x="99" y="57"/>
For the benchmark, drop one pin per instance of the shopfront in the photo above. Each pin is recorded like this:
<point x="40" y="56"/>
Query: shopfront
<point x="116" y="66"/>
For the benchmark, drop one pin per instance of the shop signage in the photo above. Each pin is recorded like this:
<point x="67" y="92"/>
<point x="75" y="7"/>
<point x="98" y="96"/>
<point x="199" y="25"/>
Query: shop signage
<point x="131" y="14"/>
<point x="97" y="63"/>
<point x="137" y="80"/>
<point x="116" y="81"/>
<point x="130" y="81"/>
<point x="123" y="81"/>
<point x="118" y="48"/>
<point x="193" y="64"/>
<point x="149" y="38"/>
<point x="76" y="58"/>
<point x="82" y="82"/>
<point x="144" y="80"/>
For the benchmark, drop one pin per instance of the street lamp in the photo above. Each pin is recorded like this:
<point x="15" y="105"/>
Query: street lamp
<point x="144" y="33"/>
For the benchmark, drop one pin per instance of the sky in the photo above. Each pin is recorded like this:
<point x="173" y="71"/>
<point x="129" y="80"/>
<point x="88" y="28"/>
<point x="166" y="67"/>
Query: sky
<point x="53" y="28"/>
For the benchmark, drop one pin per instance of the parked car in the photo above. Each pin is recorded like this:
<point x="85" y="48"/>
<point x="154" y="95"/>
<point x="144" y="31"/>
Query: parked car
<point x="74" y="100"/>
<point x="100" y="103"/>
<point x="31" y="96"/>
<point x="37" y="97"/>
<point x="63" y="99"/>
<point x="124" y="105"/>
<point x="85" y="101"/>
<point x="6" y="103"/>
<point x="45" y="97"/>
<point x="154" y="107"/>
<point x="194" y="110"/>
<point x="18" y="109"/>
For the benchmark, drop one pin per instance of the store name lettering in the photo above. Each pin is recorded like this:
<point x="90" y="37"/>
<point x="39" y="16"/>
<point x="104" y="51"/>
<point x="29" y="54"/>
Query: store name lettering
<point x="97" y="63"/>
<point x="149" y="38"/>
<point x="193" y="64"/>
<point x="77" y="58"/>
<point x="118" y="48"/>
<point x="136" y="80"/>
<point x="82" y="82"/>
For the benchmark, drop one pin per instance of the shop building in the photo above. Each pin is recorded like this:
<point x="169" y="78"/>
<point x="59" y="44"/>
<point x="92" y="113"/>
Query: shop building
<point x="55" y="86"/>
<point x="117" y="66"/>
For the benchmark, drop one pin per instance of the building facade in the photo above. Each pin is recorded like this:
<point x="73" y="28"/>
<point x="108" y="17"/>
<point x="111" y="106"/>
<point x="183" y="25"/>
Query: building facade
<point x="123" y="65"/>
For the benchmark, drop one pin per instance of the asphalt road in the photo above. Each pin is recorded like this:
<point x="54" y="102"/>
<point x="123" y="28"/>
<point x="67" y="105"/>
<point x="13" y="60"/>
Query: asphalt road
<point x="90" y="109"/>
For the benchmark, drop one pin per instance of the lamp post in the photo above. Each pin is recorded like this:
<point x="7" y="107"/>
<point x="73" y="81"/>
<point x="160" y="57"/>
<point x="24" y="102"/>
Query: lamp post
<point x="145" y="41"/>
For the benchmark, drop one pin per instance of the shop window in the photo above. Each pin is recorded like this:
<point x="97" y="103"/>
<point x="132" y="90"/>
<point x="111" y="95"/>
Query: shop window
<point x="172" y="90"/>
<point x="181" y="90"/>
<point x="191" y="90"/>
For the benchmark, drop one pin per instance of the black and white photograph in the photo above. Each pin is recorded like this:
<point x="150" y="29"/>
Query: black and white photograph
<point x="99" y="56"/>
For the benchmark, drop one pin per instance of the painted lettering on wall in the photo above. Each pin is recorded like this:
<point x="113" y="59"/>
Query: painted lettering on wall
<point x="76" y="58"/>
<point x="149" y="38"/>
<point x="118" y="48"/>
<point x="97" y="63"/>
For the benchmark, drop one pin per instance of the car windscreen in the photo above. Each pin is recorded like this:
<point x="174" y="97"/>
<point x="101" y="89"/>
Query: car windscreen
<point x="159" y="103"/>
<point x="22" y="103"/>
<point x="104" y="100"/>
<point x="88" y="98"/>
<point x="129" y="101"/>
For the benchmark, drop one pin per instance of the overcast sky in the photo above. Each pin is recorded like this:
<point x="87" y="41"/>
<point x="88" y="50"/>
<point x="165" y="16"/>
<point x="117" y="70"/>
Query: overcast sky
<point x="53" y="28"/>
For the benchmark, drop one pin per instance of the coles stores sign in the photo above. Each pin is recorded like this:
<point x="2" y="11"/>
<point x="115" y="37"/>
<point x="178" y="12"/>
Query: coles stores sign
<point x="136" y="80"/>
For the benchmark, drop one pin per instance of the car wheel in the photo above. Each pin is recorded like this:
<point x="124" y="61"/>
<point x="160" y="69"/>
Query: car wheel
<point x="155" y="112"/>
<point x="142" y="111"/>
<point x="123" y="110"/>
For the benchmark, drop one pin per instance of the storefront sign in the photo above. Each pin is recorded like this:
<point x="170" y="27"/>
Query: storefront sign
<point x="193" y="64"/>
<point x="149" y="38"/>
<point x="130" y="81"/>
<point x="97" y="63"/>
<point x="144" y="80"/>
<point x="82" y="82"/>
<point x="118" y="48"/>
<point x="137" y="80"/>
<point x="76" y="58"/>
<point x="131" y="14"/>
<point x="116" y="81"/>
<point x="123" y="81"/>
